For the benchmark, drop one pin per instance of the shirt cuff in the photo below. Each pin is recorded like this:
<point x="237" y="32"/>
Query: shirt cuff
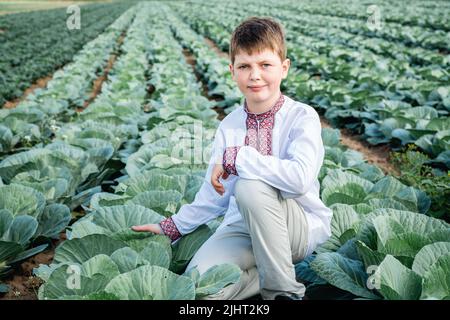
<point x="170" y="229"/>
<point x="229" y="159"/>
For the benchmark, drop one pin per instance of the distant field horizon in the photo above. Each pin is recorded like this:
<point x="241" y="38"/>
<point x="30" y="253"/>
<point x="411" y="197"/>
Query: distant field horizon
<point x="15" y="6"/>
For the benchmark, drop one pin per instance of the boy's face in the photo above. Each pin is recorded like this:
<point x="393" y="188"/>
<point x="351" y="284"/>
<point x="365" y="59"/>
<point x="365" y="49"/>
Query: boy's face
<point x="259" y="75"/>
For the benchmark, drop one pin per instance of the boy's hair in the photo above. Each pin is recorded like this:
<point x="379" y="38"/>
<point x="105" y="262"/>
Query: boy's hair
<point x="257" y="34"/>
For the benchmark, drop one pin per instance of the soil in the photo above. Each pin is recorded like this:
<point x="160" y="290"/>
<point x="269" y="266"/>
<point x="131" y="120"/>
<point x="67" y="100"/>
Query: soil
<point x="97" y="84"/>
<point x="377" y="155"/>
<point x="190" y="59"/>
<point x="40" y="83"/>
<point x="23" y="285"/>
<point x="219" y="52"/>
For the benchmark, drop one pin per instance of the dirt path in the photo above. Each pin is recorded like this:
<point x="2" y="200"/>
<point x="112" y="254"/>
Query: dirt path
<point x="219" y="52"/>
<point x="190" y="59"/>
<point x="38" y="84"/>
<point x="377" y="155"/>
<point x="97" y="84"/>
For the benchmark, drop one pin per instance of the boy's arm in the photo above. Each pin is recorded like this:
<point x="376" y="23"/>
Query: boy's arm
<point x="207" y="205"/>
<point x="293" y="175"/>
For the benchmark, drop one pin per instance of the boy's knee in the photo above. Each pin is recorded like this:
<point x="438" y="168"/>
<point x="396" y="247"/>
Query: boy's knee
<point x="251" y="193"/>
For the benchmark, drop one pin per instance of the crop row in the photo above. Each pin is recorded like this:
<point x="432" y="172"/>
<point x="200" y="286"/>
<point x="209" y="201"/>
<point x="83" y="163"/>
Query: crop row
<point x="34" y="45"/>
<point x="35" y="119"/>
<point x="430" y="14"/>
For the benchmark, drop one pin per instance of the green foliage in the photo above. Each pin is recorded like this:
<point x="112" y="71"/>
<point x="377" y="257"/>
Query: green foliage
<point x="416" y="172"/>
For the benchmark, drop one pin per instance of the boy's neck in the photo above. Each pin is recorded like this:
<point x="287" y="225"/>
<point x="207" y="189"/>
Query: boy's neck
<point x="263" y="106"/>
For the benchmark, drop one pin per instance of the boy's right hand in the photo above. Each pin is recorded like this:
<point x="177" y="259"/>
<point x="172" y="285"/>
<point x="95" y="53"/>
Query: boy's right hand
<point x="153" y="227"/>
<point x="217" y="173"/>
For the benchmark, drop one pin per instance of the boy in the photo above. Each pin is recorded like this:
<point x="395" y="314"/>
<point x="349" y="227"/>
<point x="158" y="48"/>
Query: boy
<point x="263" y="174"/>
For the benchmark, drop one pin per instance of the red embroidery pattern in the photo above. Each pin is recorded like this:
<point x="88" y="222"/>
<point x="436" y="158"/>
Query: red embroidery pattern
<point x="229" y="159"/>
<point x="170" y="229"/>
<point x="259" y="135"/>
<point x="260" y="126"/>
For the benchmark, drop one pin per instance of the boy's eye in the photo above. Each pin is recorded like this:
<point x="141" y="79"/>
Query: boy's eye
<point x="265" y="65"/>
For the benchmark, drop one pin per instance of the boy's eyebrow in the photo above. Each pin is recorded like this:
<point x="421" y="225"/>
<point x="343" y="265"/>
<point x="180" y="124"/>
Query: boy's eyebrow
<point x="262" y="61"/>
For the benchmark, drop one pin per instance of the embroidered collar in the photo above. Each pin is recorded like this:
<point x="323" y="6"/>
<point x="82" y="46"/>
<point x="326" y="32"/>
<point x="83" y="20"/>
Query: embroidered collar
<point x="277" y="106"/>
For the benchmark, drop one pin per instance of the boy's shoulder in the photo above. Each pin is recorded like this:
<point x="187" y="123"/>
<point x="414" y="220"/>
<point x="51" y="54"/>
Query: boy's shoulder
<point x="234" y="116"/>
<point x="291" y="109"/>
<point x="301" y="109"/>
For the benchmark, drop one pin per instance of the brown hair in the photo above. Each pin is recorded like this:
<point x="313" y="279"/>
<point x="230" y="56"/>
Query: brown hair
<point x="257" y="34"/>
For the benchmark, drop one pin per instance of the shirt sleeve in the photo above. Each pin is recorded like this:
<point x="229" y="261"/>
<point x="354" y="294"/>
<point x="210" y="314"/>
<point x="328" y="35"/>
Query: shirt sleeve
<point x="169" y="228"/>
<point x="229" y="160"/>
<point x="207" y="204"/>
<point x="294" y="175"/>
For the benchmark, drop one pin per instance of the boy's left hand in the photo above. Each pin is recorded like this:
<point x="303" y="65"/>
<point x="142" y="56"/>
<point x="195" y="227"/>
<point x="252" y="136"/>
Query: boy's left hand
<point x="218" y="172"/>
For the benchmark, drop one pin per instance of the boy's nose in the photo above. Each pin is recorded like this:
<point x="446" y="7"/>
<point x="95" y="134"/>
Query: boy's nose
<point x="255" y="74"/>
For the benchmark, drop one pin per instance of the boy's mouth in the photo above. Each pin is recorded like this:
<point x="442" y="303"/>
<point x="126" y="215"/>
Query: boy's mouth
<point x="256" y="88"/>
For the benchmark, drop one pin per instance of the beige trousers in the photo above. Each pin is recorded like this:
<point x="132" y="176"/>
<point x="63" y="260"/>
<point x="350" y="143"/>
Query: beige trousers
<point x="266" y="244"/>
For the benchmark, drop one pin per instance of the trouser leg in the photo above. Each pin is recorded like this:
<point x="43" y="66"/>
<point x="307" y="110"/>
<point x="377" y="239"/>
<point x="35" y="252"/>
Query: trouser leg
<point x="229" y="244"/>
<point x="278" y="231"/>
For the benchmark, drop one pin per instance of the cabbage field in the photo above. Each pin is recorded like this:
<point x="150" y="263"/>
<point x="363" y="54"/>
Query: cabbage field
<point x="111" y="125"/>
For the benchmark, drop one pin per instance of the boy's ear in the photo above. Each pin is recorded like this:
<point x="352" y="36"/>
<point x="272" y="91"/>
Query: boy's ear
<point x="231" y="69"/>
<point x="285" y="66"/>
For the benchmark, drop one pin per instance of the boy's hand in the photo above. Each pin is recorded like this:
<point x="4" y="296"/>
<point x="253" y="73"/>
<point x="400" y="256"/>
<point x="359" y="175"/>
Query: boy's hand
<point x="153" y="227"/>
<point x="217" y="173"/>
